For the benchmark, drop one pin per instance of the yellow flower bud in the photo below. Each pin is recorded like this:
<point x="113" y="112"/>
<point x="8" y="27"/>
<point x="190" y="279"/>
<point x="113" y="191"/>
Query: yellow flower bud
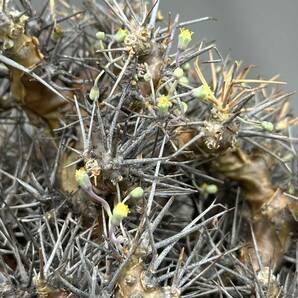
<point x="203" y="92"/>
<point x="184" y="38"/>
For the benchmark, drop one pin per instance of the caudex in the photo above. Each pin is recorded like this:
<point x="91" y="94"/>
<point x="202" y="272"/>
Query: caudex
<point x="137" y="164"/>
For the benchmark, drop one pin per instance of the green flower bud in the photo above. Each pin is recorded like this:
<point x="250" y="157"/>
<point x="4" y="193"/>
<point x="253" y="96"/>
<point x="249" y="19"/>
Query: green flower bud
<point x="210" y="188"/>
<point x="120" y="35"/>
<point x="178" y="72"/>
<point x="137" y="193"/>
<point x="94" y="93"/>
<point x="100" y="35"/>
<point x="266" y="125"/>
<point x="184" y="38"/>
<point x="203" y="92"/>
<point x="83" y="179"/>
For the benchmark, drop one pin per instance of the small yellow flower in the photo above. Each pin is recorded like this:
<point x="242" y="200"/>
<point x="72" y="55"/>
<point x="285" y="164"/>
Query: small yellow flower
<point x="184" y="38"/>
<point x="120" y="211"/>
<point x="163" y="104"/>
<point x="82" y="178"/>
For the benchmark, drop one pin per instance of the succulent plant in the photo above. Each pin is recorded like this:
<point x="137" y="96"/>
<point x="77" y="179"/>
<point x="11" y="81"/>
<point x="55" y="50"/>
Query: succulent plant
<point x="137" y="163"/>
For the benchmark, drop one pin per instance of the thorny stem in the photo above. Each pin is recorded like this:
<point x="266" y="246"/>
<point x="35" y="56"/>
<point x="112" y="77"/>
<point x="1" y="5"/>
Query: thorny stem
<point x="180" y="239"/>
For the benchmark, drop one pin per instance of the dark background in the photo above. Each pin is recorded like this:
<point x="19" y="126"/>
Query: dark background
<point x="261" y="32"/>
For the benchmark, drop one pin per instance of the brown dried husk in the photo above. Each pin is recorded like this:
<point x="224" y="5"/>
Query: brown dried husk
<point x="32" y="95"/>
<point x="270" y="216"/>
<point x="132" y="283"/>
<point x="271" y="212"/>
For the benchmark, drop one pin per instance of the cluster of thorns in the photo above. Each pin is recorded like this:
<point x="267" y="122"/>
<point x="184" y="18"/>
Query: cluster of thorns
<point x="136" y="163"/>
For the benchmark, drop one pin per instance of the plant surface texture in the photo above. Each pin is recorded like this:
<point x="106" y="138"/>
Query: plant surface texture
<point x="137" y="163"/>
